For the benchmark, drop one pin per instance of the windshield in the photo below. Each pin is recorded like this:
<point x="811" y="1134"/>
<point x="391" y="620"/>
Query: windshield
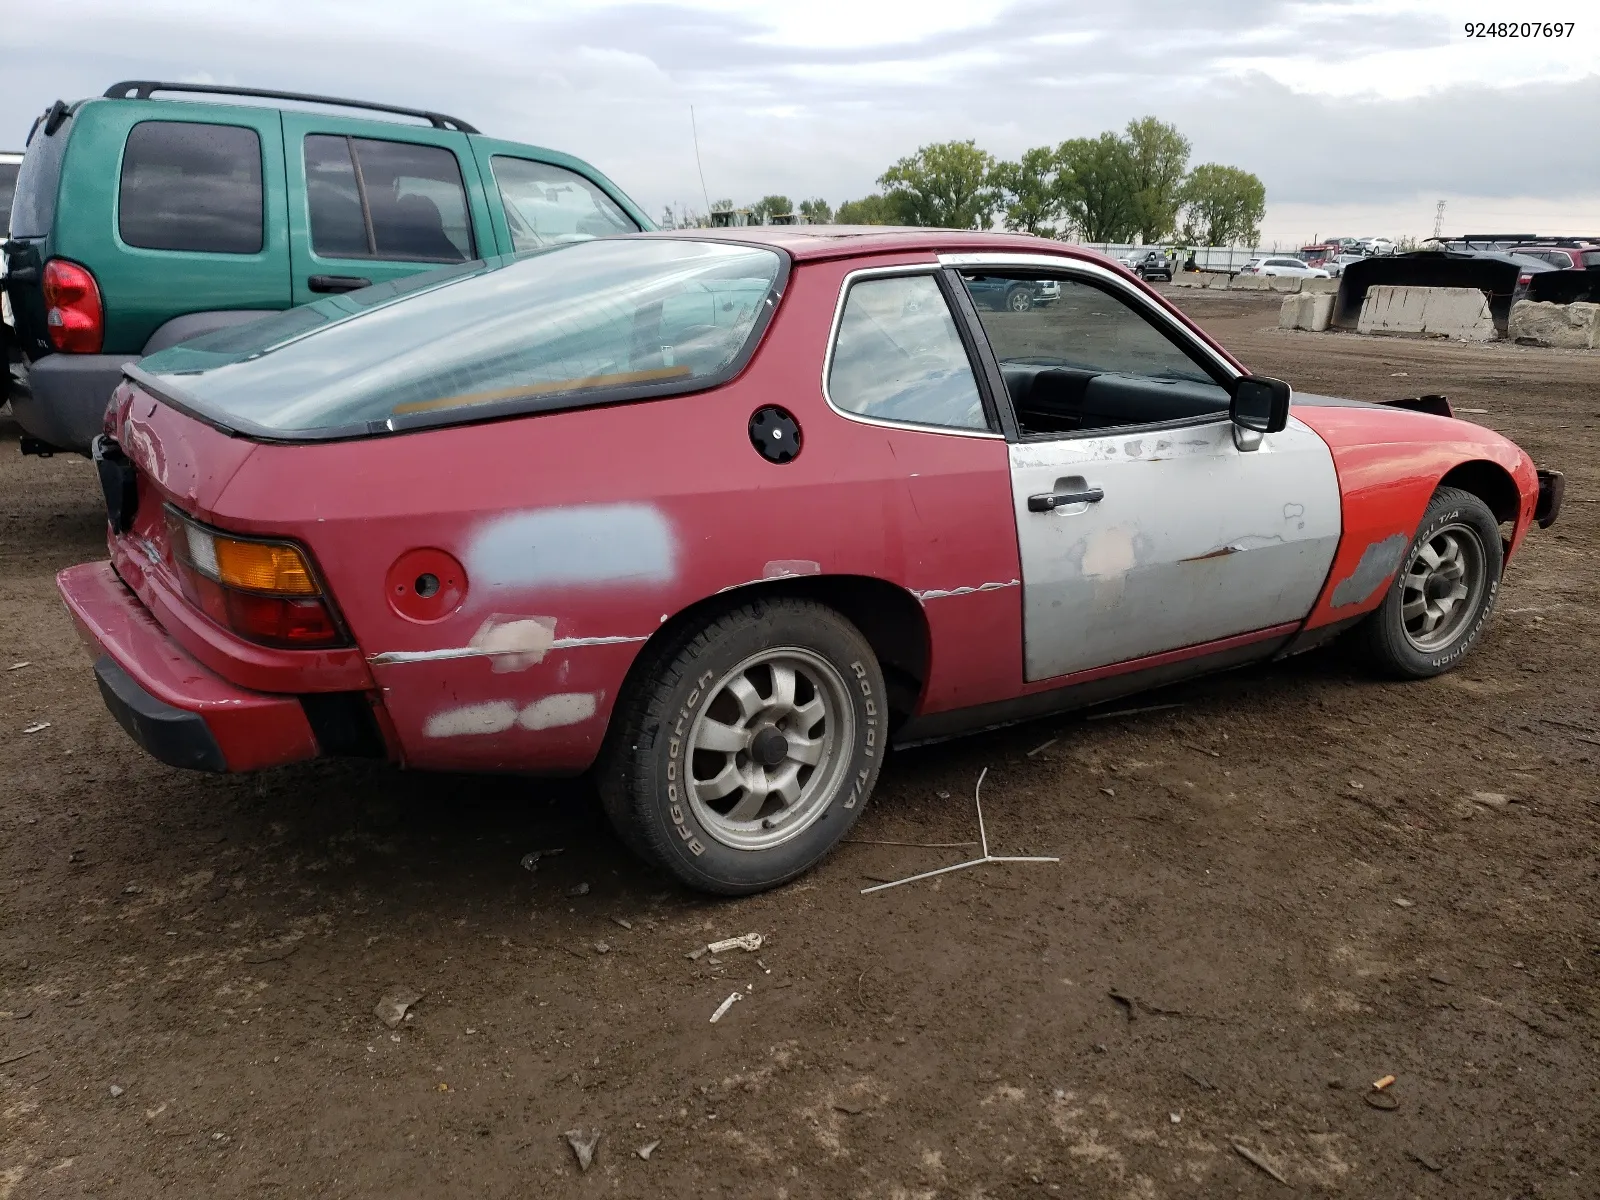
<point x="583" y="322"/>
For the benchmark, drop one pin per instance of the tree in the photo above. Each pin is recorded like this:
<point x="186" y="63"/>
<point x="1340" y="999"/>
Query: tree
<point x="1159" y="155"/>
<point x="1028" y="191"/>
<point x="816" y="211"/>
<point x="869" y="210"/>
<point x="945" y="184"/>
<point x="722" y="206"/>
<point x="768" y="207"/>
<point x="1096" y="184"/>
<point x="1222" y="205"/>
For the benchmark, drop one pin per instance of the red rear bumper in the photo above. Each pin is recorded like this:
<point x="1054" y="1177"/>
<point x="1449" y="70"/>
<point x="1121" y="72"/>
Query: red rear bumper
<point x="175" y="708"/>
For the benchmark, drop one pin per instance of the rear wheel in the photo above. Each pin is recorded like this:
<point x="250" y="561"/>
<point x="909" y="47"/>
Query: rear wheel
<point x="1442" y="595"/>
<point x="744" y="755"/>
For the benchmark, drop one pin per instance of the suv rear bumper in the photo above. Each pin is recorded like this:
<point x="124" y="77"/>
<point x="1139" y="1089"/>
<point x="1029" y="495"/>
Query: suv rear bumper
<point x="175" y="708"/>
<point x="61" y="398"/>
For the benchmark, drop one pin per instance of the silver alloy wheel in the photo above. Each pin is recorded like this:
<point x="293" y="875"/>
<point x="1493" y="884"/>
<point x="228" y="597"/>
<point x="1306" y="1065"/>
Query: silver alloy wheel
<point x="769" y="748"/>
<point x="1020" y="300"/>
<point x="1441" y="586"/>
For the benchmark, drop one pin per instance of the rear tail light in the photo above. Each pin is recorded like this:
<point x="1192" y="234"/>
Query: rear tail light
<point x="76" y="318"/>
<point x="1522" y="279"/>
<point x="264" y="591"/>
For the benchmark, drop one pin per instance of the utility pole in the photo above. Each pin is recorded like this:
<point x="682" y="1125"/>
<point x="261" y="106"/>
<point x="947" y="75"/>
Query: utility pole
<point x="1438" y="219"/>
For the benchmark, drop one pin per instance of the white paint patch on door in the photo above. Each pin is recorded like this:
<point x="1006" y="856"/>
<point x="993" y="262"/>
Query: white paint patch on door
<point x="552" y="712"/>
<point x="496" y="716"/>
<point x="582" y="545"/>
<point x="514" y="643"/>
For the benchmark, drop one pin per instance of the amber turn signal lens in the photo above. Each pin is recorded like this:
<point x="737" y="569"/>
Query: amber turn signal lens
<point x="263" y="567"/>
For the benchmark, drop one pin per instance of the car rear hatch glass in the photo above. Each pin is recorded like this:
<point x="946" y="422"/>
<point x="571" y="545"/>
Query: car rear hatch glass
<point x="579" y="324"/>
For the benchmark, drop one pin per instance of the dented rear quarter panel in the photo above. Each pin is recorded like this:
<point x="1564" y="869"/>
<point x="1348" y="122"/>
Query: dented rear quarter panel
<point x="1389" y="462"/>
<point x="582" y="532"/>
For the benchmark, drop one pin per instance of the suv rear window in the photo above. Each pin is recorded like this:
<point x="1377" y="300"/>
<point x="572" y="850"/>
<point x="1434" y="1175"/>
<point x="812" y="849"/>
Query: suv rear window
<point x="190" y="186"/>
<point x="371" y="198"/>
<point x="34" y="205"/>
<point x="583" y="323"/>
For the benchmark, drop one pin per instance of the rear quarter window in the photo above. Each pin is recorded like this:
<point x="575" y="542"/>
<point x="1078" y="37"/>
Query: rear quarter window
<point x="191" y="186"/>
<point x="546" y="204"/>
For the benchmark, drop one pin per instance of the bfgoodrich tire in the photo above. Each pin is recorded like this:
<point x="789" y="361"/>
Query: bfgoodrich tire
<point x="1440" y="599"/>
<point x="747" y="751"/>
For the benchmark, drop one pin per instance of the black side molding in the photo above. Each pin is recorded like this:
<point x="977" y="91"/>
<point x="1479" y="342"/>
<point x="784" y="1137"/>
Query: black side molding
<point x="177" y="738"/>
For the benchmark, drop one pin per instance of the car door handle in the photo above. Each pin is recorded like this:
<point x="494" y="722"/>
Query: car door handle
<point x="337" y="283"/>
<point x="1050" y="501"/>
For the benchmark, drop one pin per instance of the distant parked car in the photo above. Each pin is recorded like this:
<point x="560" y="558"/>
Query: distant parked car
<point x="140" y="223"/>
<point x="1283" y="265"/>
<point x="1151" y="265"/>
<point x="1575" y="257"/>
<point x="1379" y="245"/>
<point x="1013" y="295"/>
<point x="1335" y="266"/>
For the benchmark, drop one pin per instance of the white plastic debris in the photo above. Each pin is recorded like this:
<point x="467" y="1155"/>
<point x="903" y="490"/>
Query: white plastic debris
<point x="749" y="941"/>
<point x="391" y="1010"/>
<point x="725" y="1006"/>
<point x="19" y="666"/>
<point x="583" y="1146"/>
<point x="36" y="727"/>
<point x="116" y="1090"/>
<point x="646" y="1150"/>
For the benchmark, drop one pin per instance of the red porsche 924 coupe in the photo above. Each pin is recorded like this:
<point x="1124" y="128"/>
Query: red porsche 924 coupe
<point x="723" y="516"/>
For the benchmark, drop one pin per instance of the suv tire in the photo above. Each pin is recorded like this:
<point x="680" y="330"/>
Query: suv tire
<point x="745" y="751"/>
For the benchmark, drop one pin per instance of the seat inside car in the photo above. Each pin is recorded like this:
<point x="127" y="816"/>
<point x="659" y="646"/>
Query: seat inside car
<point x="1051" y="399"/>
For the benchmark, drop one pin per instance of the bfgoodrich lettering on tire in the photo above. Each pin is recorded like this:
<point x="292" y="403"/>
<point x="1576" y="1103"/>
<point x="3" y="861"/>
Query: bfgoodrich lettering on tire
<point x="747" y="751"/>
<point x="1440" y="599"/>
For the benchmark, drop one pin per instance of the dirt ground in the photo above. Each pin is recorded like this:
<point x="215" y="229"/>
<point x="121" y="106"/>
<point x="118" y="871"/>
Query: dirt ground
<point x="1269" y="896"/>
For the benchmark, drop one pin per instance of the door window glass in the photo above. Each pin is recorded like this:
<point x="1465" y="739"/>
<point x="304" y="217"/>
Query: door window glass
<point x="1077" y="357"/>
<point x="369" y="198"/>
<point x="546" y="204"/>
<point x="188" y="186"/>
<point x="898" y="357"/>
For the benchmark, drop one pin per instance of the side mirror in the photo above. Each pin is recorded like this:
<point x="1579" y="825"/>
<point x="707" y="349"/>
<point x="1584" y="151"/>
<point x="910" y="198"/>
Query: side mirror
<point x="1260" y="405"/>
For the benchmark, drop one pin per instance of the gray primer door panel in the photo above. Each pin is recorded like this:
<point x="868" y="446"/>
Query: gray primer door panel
<point x="1194" y="540"/>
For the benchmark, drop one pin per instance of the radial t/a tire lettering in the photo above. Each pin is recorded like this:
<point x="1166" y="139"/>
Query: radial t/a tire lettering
<point x="1435" y="608"/>
<point x="747" y="749"/>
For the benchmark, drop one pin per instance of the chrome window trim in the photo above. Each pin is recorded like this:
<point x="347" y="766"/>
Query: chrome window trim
<point x="1074" y="266"/>
<point x="931" y="270"/>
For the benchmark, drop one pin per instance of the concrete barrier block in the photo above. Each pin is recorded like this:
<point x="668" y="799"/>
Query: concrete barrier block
<point x="1283" y="283"/>
<point x="1306" y="310"/>
<point x="1319" y="285"/>
<point x="1560" y="326"/>
<point x="1461" y="313"/>
<point x="1249" y="283"/>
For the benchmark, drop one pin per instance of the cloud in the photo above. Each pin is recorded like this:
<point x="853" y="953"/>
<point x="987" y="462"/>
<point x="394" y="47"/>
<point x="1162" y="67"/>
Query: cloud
<point x="1338" y="102"/>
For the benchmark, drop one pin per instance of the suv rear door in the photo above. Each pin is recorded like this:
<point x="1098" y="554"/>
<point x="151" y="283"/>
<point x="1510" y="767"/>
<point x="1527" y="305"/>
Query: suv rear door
<point x="372" y="202"/>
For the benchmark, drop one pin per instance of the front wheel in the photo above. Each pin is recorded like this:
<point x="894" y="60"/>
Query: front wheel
<point x="744" y="756"/>
<point x="1442" y="595"/>
<point x="1020" y="299"/>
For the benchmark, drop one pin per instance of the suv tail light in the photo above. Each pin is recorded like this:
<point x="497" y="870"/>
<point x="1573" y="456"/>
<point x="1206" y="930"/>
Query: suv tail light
<point x="264" y="591"/>
<point x="76" y="318"/>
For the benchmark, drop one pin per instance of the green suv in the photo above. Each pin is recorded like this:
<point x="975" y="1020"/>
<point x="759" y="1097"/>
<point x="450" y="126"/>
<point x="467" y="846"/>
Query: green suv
<point x="139" y="223"/>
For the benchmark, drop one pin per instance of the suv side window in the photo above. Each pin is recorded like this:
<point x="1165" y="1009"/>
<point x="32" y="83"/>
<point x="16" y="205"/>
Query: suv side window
<point x="546" y="205"/>
<point x="898" y="357"/>
<point x="191" y="186"/>
<point x="1083" y="359"/>
<point x="370" y="198"/>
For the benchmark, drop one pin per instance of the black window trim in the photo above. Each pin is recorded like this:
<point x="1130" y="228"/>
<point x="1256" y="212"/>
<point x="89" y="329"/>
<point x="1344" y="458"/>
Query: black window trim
<point x="974" y="364"/>
<point x="372" y="255"/>
<point x="261" y="158"/>
<point x="173" y="394"/>
<point x="1222" y="372"/>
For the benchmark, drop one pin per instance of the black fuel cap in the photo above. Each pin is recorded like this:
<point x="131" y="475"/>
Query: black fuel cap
<point x="775" y="434"/>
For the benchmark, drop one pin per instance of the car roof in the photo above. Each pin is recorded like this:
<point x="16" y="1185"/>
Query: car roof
<point x="804" y="242"/>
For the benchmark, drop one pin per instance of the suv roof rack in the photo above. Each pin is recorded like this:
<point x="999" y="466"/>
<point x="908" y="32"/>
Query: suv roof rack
<point x="141" y="89"/>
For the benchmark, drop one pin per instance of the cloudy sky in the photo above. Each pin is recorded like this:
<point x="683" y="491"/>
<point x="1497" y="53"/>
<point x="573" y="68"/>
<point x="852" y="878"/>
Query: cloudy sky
<point x="1359" y="115"/>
